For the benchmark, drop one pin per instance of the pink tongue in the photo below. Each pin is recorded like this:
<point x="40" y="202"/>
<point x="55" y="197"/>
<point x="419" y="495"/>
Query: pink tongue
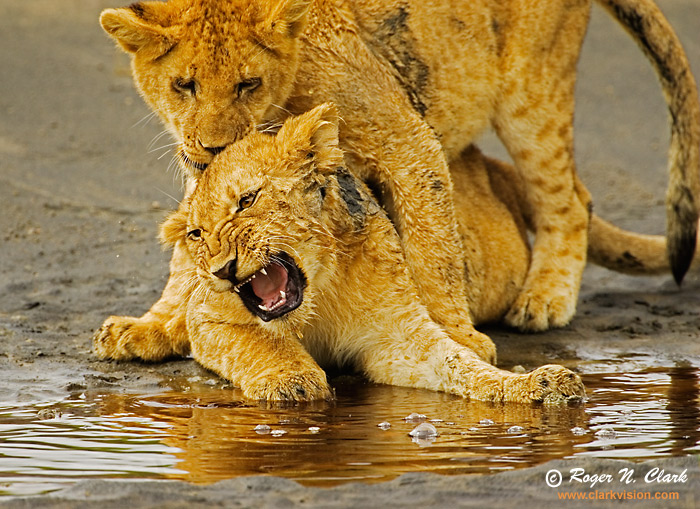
<point x="268" y="287"/>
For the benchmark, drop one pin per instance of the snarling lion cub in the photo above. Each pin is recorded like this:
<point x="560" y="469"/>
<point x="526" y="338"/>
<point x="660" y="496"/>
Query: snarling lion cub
<point x="294" y="264"/>
<point x="416" y="81"/>
<point x="283" y="259"/>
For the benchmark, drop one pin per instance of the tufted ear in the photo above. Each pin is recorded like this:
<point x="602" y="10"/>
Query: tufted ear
<point x="288" y="17"/>
<point x="315" y="132"/>
<point x="174" y="228"/>
<point x="135" y="29"/>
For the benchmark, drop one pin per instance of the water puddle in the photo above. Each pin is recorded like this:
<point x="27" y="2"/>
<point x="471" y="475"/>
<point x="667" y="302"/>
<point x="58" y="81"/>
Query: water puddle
<point x="203" y="433"/>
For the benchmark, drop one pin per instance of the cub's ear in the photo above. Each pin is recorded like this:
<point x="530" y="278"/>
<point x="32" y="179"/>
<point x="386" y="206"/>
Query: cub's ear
<point x="174" y="228"/>
<point x="324" y="134"/>
<point x="288" y="17"/>
<point x="315" y="132"/>
<point x="134" y="29"/>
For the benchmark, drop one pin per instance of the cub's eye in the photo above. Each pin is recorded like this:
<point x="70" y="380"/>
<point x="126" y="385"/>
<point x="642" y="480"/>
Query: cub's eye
<point x="195" y="234"/>
<point x="185" y="86"/>
<point x="247" y="200"/>
<point x="247" y="86"/>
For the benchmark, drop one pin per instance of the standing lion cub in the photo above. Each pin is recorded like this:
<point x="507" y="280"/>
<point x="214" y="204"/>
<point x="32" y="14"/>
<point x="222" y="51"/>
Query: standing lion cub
<point x="291" y="264"/>
<point x="416" y="81"/>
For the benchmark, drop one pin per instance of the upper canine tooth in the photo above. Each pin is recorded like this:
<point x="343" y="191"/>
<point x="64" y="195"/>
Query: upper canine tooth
<point x="263" y="272"/>
<point x="282" y="294"/>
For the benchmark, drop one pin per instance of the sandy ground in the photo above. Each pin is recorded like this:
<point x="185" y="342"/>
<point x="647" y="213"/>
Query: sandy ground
<point x="83" y="189"/>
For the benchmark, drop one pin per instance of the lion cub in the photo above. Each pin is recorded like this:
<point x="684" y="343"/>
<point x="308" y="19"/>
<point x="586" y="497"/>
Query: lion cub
<point x="416" y="82"/>
<point x="294" y="265"/>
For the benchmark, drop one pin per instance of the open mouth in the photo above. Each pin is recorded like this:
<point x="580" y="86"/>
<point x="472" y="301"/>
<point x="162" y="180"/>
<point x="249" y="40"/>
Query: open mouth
<point x="274" y="290"/>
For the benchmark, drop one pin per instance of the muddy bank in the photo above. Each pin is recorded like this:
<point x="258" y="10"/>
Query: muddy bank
<point x="412" y="490"/>
<point x="86" y="178"/>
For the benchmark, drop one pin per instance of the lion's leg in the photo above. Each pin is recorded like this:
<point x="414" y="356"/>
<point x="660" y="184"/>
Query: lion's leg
<point x="422" y="356"/>
<point x="535" y="122"/>
<point x="434" y="251"/>
<point x="416" y="178"/>
<point x="266" y="367"/>
<point x="161" y="332"/>
<point x="560" y="219"/>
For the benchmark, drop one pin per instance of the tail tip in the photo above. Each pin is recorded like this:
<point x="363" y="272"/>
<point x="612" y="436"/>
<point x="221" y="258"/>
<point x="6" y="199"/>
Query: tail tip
<point x="681" y="256"/>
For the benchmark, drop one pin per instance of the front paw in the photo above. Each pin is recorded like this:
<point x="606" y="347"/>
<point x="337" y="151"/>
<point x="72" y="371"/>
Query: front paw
<point x="111" y="341"/>
<point x="551" y="385"/>
<point x="298" y="387"/>
<point x="126" y="338"/>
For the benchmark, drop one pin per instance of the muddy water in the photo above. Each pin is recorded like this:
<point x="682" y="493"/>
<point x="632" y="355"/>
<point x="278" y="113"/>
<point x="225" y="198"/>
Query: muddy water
<point x="202" y="432"/>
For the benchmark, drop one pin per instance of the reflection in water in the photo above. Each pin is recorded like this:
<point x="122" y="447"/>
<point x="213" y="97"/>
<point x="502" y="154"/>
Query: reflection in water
<point x="218" y="439"/>
<point x="204" y="434"/>
<point x="683" y="409"/>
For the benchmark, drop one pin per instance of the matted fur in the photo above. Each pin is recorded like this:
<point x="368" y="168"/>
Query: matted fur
<point x="416" y="82"/>
<point x="360" y="307"/>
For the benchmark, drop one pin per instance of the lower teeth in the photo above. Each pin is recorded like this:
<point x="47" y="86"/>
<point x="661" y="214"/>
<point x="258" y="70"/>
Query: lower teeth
<point x="276" y="305"/>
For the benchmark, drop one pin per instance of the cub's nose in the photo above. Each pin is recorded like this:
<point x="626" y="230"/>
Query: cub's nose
<point x="228" y="271"/>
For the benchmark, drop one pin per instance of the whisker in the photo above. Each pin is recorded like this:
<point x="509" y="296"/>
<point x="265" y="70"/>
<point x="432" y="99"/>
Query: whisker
<point x="158" y="137"/>
<point x="290" y="248"/>
<point x="199" y="293"/>
<point x="145" y="120"/>
<point x="189" y="286"/>
<point x="258" y="47"/>
<point x="169" y="196"/>
<point x="163" y="147"/>
<point x="268" y="127"/>
<point x="281" y="108"/>
<point x="176" y="166"/>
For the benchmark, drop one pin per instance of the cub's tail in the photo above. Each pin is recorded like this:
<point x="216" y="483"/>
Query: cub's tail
<point x="623" y="251"/>
<point x="649" y="28"/>
<point x="608" y="246"/>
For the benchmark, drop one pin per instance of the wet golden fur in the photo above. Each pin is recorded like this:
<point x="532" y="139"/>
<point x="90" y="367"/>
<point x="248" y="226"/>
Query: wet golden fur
<point x="415" y="83"/>
<point x="270" y="195"/>
<point x="289" y="193"/>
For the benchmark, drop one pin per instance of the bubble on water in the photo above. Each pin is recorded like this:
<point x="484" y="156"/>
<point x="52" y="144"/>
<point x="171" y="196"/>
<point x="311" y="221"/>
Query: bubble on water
<point x="486" y="422"/>
<point x="49" y="413"/>
<point x="284" y="421"/>
<point x="314" y="429"/>
<point x="262" y="429"/>
<point x="515" y="430"/>
<point x="424" y="430"/>
<point x="415" y="417"/>
<point x="384" y="425"/>
<point x="607" y="433"/>
<point x="436" y="421"/>
<point x="278" y="432"/>
<point x="579" y="431"/>
<point x="424" y="434"/>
